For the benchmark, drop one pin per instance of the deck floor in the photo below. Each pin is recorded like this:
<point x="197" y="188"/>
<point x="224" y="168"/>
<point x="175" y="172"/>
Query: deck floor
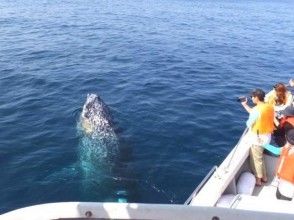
<point x="264" y="197"/>
<point x="268" y="190"/>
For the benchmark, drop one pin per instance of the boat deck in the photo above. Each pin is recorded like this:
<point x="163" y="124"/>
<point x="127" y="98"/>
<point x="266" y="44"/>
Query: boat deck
<point x="268" y="190"/>
<point x="264" y="198"/>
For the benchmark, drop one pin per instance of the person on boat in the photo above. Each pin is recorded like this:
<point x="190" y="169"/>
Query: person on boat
<point x="279" y="97"/>
<point x="286" y="122"/>
<point x="287" y="118"/>
<point x="261" y="125"/>
<point x="285" y="170"/>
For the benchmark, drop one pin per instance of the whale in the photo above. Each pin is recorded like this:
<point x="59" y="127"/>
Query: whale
<point x="100" y="167"/>
<point x="98" y="142"/>
<point x="95" y="118"/>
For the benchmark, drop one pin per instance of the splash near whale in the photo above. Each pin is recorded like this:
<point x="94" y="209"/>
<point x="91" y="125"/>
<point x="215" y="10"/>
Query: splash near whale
<point x="98" y="141"/>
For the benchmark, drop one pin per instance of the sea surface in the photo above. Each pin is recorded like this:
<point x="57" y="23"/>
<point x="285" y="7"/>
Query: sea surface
<point x="169" y="71"/>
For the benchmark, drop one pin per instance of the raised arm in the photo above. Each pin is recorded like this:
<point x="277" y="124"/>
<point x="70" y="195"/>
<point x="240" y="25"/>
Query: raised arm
<point x="246" y="106"/>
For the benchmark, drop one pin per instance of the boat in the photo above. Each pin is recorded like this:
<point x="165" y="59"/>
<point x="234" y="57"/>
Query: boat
<point x="227" y="192"/>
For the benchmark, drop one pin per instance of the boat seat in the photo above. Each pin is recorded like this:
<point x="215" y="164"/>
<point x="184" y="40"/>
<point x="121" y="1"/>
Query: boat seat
<point x="246" y="183"/>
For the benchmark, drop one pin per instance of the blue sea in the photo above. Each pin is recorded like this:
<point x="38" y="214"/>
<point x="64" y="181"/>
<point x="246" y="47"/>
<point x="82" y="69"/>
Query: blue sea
<point x="169" y="71"/>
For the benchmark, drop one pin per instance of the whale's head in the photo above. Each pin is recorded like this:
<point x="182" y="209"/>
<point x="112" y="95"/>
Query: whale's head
<point x="91" y="106"/>
<point x="95" y="114"/>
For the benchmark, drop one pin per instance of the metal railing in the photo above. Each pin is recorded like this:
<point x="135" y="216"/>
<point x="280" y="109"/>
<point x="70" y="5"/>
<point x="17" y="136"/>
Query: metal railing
<point x="199" y="187"/>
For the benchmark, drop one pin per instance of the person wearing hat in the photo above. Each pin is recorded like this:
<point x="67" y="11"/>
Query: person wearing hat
<point x="287" y="117"/>
<point x="261" y="125"/>
<point x="285" y="167"/>
<point x="285" y="122"/>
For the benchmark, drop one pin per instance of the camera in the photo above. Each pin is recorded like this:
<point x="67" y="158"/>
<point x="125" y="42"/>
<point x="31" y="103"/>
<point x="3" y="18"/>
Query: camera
<point x="241" y="99"/>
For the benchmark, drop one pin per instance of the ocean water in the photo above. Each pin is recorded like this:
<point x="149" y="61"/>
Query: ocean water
<point x="169" y="71"/>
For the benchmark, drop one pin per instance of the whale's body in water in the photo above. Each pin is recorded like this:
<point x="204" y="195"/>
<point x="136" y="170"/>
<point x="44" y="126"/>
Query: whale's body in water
<point x="98" y="141"/>
<point x="99" y="170"/>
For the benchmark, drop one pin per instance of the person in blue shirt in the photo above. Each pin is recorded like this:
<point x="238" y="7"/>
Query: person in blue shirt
<point x="261" y="124"/>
